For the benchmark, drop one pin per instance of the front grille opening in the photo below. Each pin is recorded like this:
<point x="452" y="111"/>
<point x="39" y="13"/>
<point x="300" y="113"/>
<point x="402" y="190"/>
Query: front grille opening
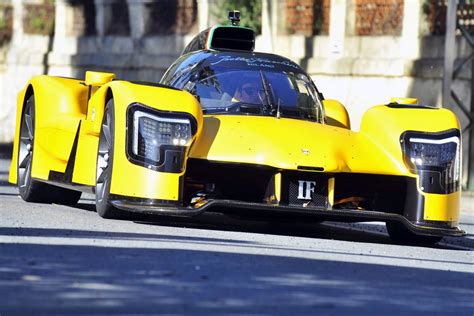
<point x="255" y="184"/>
<point x="228" y="181"/>
<point x="370" y="192"/>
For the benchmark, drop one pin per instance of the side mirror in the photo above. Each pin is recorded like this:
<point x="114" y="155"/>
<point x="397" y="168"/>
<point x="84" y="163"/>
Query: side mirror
<point x="336" y="114"/>
<point x="94" y="78"/>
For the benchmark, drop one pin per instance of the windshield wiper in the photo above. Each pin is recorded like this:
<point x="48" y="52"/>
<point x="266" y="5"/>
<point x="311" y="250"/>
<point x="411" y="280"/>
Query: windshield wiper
<point x="275" y="109"/>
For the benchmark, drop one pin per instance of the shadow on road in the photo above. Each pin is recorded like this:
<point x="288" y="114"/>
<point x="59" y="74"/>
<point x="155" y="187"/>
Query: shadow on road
<point x="60" y="271"/>
<point x="190" y="240"/>
<point x="356" y="232"/>
<point x="89" y="279"/>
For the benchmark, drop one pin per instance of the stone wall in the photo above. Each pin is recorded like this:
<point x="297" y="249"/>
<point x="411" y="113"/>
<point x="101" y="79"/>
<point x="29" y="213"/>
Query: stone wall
<point x="137" y="51"/>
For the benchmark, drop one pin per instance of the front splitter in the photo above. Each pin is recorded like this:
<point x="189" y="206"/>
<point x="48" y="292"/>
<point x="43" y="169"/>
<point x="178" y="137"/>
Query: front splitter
<point x="221" y="206"/>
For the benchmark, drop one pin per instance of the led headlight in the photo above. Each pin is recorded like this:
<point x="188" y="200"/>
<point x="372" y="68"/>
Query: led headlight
<point x="150" y="132"/>
<point x="436" y="157"/>
<point x="157" y="139"/>
<point x="433" y="153"/>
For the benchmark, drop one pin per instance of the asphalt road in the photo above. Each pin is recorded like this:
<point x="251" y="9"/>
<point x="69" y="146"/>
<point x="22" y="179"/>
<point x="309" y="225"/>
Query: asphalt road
<point x="59" y="260"/>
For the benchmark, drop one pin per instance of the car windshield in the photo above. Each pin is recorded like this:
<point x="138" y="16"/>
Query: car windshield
<point x="259" y="92"/>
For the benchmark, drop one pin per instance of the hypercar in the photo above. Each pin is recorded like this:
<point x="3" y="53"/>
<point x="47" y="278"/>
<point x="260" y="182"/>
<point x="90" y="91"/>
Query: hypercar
<point x="238" y="132"/>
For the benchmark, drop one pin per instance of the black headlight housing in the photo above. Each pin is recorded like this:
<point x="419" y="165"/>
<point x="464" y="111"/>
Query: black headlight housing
<point x="158" y="140"/>
<point x="435" y="157"/>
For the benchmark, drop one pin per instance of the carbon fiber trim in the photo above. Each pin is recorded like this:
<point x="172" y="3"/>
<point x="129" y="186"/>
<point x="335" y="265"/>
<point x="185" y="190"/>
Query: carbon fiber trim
<point x="221" y="206"/>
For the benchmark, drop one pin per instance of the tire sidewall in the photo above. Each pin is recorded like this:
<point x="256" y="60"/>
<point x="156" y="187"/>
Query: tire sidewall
<point x="25" y="192"/>
<point x="103" y="207"/>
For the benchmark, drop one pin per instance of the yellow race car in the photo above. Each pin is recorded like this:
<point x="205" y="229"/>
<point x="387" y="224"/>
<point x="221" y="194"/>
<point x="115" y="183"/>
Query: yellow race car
<point x="238" y="132"/>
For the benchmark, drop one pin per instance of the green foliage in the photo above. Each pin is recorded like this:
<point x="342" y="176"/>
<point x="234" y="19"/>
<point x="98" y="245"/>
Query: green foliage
<point x="39" y="18"/>
<point x="426" y="7"/>
<point x="3" y="22"/>
<point x="250" y="12"/>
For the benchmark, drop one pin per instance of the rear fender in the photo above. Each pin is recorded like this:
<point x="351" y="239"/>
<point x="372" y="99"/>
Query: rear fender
<point x="21" y="99"/>
<point x="60" y="104"/>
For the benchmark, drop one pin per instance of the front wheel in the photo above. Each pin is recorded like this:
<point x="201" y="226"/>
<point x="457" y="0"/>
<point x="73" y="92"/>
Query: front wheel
<point x="399" y="233"/>
<point x="105" y="160"/>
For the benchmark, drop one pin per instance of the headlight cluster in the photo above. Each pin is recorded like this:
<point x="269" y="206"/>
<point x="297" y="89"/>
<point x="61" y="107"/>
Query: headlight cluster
<point x="436" y="157"/>
<point x="155" y="137"/>
<point x="433" y="153"/>
<point x="150" y="132"/>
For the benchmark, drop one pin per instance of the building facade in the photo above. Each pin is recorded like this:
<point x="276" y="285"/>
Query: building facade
<point x="361" y="52"/>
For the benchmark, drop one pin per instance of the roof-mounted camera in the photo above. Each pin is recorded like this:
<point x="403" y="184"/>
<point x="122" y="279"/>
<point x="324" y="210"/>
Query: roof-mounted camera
<point x="234" y="17"/>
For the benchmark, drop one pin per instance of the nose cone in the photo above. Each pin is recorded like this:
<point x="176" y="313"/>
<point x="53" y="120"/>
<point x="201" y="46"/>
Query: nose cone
<point x="289" y="144"/>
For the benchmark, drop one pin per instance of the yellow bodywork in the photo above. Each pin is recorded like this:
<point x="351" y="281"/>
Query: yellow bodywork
<point x="58" y="116"/>
<point x="336" y="114"/>
<point x="64" y="113"/>
<point x="442" y="207"/>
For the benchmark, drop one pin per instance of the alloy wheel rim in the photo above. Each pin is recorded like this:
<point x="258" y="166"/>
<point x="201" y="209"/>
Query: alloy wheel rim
<point x="103" y="157"/>
<point x="25" y="153"/>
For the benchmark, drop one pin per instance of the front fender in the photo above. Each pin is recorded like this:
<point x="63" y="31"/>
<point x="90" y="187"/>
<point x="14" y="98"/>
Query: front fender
<point x="129" y="179"/>
<point x="385" y="124"/>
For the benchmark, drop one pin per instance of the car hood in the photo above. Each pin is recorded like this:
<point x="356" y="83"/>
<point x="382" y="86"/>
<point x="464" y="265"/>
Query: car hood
<point x="292" y="144"/>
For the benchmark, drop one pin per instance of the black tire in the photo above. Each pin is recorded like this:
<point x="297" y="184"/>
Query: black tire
<point x="400" y="234"/>
<point x="104" y="165"/>
<point x="32" y="190"/>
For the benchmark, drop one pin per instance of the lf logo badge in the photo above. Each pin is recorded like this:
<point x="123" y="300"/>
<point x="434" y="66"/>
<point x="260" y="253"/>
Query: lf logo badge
<point x="305" y="188"/>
